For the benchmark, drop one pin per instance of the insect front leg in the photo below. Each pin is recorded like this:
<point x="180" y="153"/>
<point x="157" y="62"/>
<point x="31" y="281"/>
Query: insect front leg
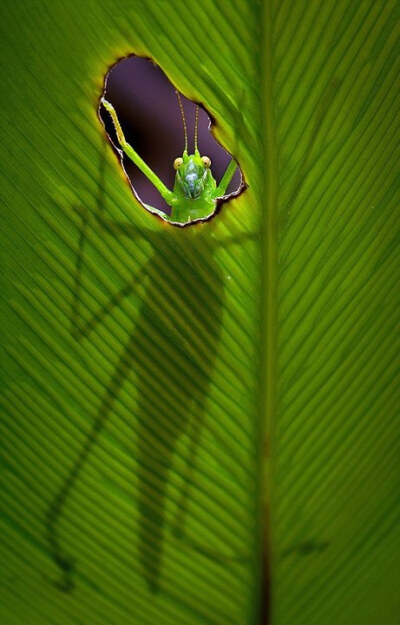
<point x="225" y="180"/>
<point x="165" y="193"/>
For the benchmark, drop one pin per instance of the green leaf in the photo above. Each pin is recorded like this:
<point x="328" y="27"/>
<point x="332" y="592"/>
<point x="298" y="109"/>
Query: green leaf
<point x="192" y="415"/>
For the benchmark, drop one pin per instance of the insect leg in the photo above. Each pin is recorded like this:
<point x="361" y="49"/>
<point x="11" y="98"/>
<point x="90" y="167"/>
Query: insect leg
<point x="134" y="156"/>
<point x="226" y="178"/>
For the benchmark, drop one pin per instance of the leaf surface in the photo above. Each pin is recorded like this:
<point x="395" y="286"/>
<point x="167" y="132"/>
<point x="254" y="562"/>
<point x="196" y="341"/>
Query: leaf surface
<point x="177" y="401"/>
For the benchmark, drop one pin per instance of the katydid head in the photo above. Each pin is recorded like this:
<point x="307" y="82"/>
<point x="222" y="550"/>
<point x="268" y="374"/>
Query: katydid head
<point x="192" y="170"/>
<point x="192" y="173"/>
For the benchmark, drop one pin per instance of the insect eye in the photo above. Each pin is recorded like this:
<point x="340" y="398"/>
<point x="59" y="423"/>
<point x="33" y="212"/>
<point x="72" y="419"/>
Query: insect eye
<point x="178" y="162"/>
<point x="206" y="161"/>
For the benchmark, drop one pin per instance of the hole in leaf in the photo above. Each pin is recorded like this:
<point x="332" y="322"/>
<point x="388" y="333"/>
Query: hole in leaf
<point x="147" y="107"/>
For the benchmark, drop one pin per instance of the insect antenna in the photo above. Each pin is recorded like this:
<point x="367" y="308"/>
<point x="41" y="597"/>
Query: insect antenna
<point x="196" y="124"/>
<point x="183" y="119"/>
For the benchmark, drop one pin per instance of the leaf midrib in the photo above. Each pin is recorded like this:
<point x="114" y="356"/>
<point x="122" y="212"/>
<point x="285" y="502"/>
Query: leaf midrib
<point x="268" y="199"/>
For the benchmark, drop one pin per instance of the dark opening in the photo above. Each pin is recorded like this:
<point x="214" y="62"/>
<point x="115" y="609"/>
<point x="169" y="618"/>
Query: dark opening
<point x="148" y="110"/>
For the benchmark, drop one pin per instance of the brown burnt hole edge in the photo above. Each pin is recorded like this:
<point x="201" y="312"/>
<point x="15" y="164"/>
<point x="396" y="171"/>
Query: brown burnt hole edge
<point x="211" y="128"/>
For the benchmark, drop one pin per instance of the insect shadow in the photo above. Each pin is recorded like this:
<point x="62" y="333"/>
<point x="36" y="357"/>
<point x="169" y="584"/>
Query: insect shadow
<point x="186" y="345"/>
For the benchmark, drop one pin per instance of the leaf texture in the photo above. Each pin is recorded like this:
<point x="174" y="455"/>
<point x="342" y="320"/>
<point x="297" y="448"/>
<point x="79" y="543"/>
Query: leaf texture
<point x="177" y="401"/>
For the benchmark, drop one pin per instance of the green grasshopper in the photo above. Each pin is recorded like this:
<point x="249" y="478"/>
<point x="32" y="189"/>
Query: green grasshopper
<point x="195" y="192"/>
